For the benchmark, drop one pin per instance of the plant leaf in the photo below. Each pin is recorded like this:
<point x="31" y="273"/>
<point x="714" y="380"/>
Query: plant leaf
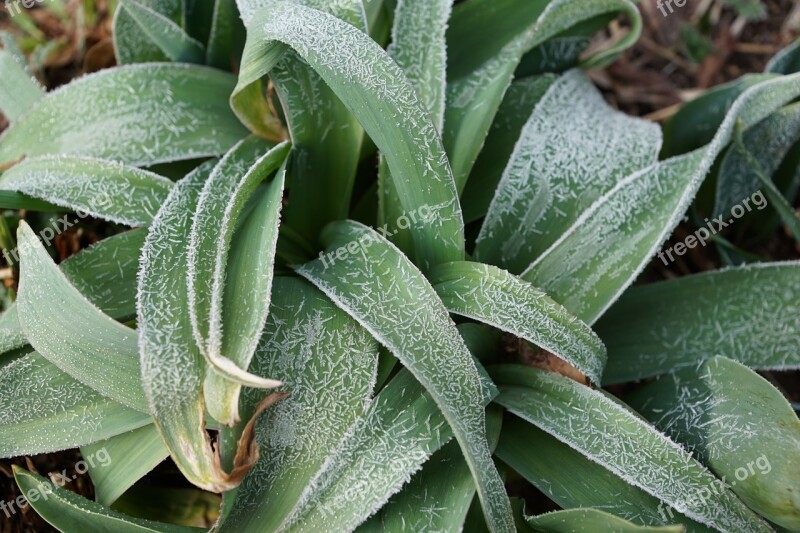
<point x="328" y="362"/>
<point x="633" y="219"/>
<point x="608" y="433"/>
<point x="164" y="112"/>
<point x="45" y="410"/>
<point x="224" y="195"/>
<point x="226" y="38"/>
<point x="572" y="480"/>
<point x="438" y="497"/>
<point x="69" y="512"/>
<point x="365" y="283"/>
<point x="585" y="520"/>
<point x="748" y="314"/>
<point x="769" y="141"/>
<point x="491" y="295"/>
<point x="419" y="48"/>
<point x="103" y="189"/>
<point x="19" y="91"/>
<point x="129" y="457"/>
<point x="131" y="43"/>
<point x="73" y="334"/>
<point x="518" y="103"/>
<point x="573" y="149"/>
<point x="703" y="408"/>
<point x="787" y="61"/>
<point x="486" y="41"/>
<point x="172" y="367"/>
<point x="352" y="65"/>
<point x="168" y="36"/>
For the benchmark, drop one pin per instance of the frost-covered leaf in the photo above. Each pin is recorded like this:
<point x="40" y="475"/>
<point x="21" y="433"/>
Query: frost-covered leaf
<point x="418" y="46"/>
<point x="226" y="35"/>
<point x="787" y="61"/>
<point x="372" y="280"/>
<point x="69" y="512"/>
<point x="373" y="87"/>
<point x="486" y="41"/>
<point x="739" y="425"/>
<point x="168" y="36"/>
<point x="608" y="433"/>
<point x="518" y="103"/>
<point x="19" y="91"/>
<point x="696" y="122"/>
<point x="138" y="114"/>
<point x="326" y="137"/>
<point x="573" y="481"/>
<point x="749" y="314"/>
<point x="103" y="189"/>
<point x="768" y="141"/>
<point x="43" y="410"/>
<point x="73" y="334"/>
<point x="438" y="497"/>
<point x="588" y="268"/>
<point x="121" y="461"/>
<point x="328" y="363"/>
<point x="584" y="520"/>
<point x="132" y="44"/>
<point x="172" y="367"/>
<point x="573" y="149"/>
<point x="235" y="301"/>
<point x="491" y="295"/>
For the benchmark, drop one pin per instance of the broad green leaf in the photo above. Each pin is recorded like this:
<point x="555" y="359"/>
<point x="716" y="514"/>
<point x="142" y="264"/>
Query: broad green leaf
<point x="749" y="314"/>
<point x="73" y="334"/>
<point x="105" y="274"/>
<point x="132" y="44"/>
<point x="172" y="367"/>
<point x="573" y="149"/>
<point x="19" y="91"/>
<point x="401" y="429"/>
<point x="769" y="142"/>
<point x="696" y="122"/>
<point x="588" y="268"/>
<point x="373" y="87"/>
<point x="382" y="289"/>
<point x="584" y="520"/>
<point x="169" y="37"/>
<point x="438" y="497"/>
<point x="68" y="512"/>
<point x="419" y="48"/>
<point x="609" y="433"/>
<point x="15" y="200"/>
<point x="486" y="41"/>
<point x="162" y="113"/>
<point x="518" y="103"/>
<point x="787" y="61"/>
<point x="328" y="363"/>
<point x="573" y="481"/>
<point x="103" y="189"/>
<point x="781" y="205"/>
<point x="491" y="295"/>
<point x="226" y="38"/>
<point x="121" y="461"/>
<point x="326" y="136"/>
<point x="241" y="309"/>
<point x="739" y="425"/>
<point x="43" y="410"/>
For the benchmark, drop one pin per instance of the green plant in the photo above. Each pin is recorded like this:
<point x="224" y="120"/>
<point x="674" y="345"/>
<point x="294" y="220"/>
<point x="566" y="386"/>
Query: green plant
<point x="354" y="378"/>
